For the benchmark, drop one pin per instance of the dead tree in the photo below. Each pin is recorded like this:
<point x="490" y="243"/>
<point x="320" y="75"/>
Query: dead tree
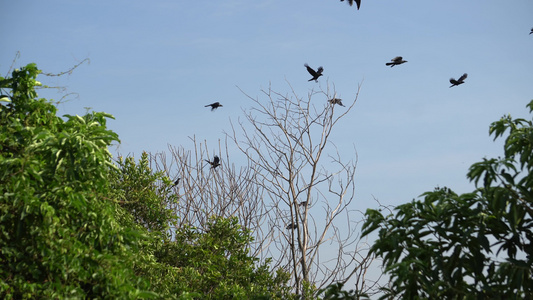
<point x="287" y="141"/>
<point x="204" y="191"/>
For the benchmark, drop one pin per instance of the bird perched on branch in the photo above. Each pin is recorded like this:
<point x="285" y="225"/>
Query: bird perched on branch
<point x="358" y="2"/>
<point x="215" y="163"/>
<point x="336" y="101"/>
<point x="214" y="105"/>
<point x="398" y="60"/>
<point x="176" y="182"/>
<point x="292" y="226"/>
<point x="314" y="73"/>
<point x="459" y="81"/>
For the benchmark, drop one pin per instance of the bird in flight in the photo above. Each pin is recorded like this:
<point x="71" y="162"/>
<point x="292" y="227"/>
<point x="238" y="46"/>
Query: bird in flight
<point x="336" y="101"/>
<point x="314" y="73"/>
<point x="459" y="81"/>
<point x="292" y="226"/>
<point x="214" y="105"/>
<point x="358" y="2"/>
<point x="398" y="60"/>
<point x="215" y="163"/>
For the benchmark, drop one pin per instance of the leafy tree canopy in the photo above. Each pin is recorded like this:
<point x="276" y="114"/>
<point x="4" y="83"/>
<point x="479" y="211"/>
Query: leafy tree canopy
<point x="59" y="237"/>
<point x="73" y="224"/>
<point x="477" y="245"/>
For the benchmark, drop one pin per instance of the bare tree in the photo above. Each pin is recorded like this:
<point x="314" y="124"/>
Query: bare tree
<point x="204" y="191"/>
<point x="293" y="192"/>
<point x="307" y="188"/>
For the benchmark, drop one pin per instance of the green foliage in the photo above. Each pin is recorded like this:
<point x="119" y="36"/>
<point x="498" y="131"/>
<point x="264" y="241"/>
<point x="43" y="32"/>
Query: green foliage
<point x="188" y="263"/>
<point x="75" y="225"/>
<point x="335" y="292"/>
<point x="145" y="195"/>
<point x="216" y="263"/>
<point x="58" y="235"/>
<point x="476" y="245"/>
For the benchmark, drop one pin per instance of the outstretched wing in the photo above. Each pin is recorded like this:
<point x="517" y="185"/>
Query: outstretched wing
<point x="216" y="160"/>
<point x="462" y="78"/>
<point x="397" y="59"/>
<point x="310" y="70"/>
<point x="320" y="70"/>
<point x="358" y="2"/>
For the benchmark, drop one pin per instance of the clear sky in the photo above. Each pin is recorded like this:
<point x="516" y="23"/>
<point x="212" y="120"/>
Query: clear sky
<point x="155" y="64"/>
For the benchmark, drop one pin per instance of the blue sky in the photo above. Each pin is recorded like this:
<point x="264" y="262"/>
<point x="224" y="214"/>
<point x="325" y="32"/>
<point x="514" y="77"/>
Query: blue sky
<point x="155" y="64"/>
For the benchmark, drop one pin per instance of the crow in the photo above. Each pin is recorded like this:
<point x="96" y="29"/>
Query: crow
<point x="215" y="163"/>
<point x="459" y="81"/>
<point x="176" y="182"/>
<point x="314" y="73"/>
<point x="398" y="60"/>
<point x="214" y="105"/>
<point x="358" y="2"/>
<point x="292" y="226"/>
<point x="336" y="101"/>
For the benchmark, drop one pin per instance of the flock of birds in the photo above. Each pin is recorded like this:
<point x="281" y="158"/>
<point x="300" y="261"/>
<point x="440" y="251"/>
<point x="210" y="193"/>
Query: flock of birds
<point x="398" y="60"/>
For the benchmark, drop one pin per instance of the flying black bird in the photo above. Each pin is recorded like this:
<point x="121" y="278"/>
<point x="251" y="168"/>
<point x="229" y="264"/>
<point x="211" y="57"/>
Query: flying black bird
<point x="358" y="2"/>
<point x="214" y="105"/>
<point x="176" y="182"/>
<point x="314" y="73"/>
<point x="215" y="163"/>
<point x="459" y="81"/>
<point x="292" y="226"/>
<point x="398" y="60"/>
<point x="336" y="101"/>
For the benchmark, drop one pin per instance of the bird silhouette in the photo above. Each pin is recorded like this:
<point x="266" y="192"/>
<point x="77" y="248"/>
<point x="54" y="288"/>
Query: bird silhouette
<point x="459" y="81"/>
<point x="303" y="203"/>
<point x="336" y="101"/>
<point x="358" y="2"/>
<point x="215" y="163"/>
<point x="176" y="182"/>
<point x="292" y="226"/>
<point x="214" y="105"/>
<point x="314" y="73"/>
<point x="398" y="60"/>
